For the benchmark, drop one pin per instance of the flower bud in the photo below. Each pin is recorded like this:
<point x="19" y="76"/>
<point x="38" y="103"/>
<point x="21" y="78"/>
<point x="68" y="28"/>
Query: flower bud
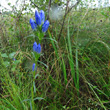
<point x="33" y="67"/>
<point x="42" y="16"/>
<point x="14" y="59"/>
<point x="33" y="24"/>
<point x="37" y="17"/>
<point x="45" y="26"/>
<point x="36" y="48"/>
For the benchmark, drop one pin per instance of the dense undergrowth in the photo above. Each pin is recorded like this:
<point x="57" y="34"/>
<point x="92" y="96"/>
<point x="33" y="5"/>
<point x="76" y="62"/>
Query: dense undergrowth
<point x="73" y="73"/>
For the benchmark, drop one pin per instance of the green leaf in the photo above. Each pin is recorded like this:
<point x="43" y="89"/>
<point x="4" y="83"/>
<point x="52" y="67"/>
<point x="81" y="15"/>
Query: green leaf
<point x="11" y="55"/>
<point x="9" y="4"/>
<point x="16" y="62"/>
<point x="6" y="63"/>
<point x="26" y="100"/>
<point x="4" y="55"/>
<point x="38" y="98"/>
<point x="13" y="69"/>
<point x="94" y="87"/>
<point x="56" y="1"/>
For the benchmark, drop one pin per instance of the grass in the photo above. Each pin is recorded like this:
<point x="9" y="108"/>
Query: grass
<point x="72" y="73"/>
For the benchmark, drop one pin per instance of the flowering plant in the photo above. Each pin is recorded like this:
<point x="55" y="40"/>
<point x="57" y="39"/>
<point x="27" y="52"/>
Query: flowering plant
<point x="39" y="26"/>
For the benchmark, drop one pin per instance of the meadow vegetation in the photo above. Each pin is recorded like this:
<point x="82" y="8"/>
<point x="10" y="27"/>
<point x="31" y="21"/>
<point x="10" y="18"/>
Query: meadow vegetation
<point x="73" y="72"/>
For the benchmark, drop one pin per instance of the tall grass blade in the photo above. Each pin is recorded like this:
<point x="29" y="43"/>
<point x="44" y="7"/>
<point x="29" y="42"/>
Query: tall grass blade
<point x="70" y="57"/>
<point x="97" y="96"/>
<point x="64" y="70"/>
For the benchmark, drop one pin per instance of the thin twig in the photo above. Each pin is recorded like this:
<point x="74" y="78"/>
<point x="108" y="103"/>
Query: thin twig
<point x="73" y="6"/>
<point x="63" y="21"/>
<point x="34" y="3"/>
<point x="66" y="12"/>
<point x="49" y="9"/>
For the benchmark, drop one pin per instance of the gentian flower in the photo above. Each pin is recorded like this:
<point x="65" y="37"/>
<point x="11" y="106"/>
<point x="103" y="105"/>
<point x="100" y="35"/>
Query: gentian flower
<point x="36" y="48"/>
<point x="33" y="67"/>
<point x="45" y="26"/>
<point x="42" y="16"/>
<point x="37" y="17"/>
<point x="14" y="59"/>
<point x="33" y="24"/>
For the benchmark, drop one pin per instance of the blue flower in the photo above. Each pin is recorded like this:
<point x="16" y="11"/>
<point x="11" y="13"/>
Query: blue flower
<point x="14" y="59"/>
<point x="33" y="24"/>
<point x="45" y="26"/>
<point x="42" y="15"/>
<point x="33" y="67"/>
<point x="36" y="48"/>
<point x="37" y="17"/>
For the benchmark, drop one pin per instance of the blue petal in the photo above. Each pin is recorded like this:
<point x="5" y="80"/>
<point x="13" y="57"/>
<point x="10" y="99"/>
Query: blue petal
<point x="33" y="66"/>
<point x="38" y="48"/>
<point x="33" y="24"/>
<point x="14" y="59"/>
<point x="37" y="18"/>
<point x="45" y="26"/>
<point x="35" y="47"/>
<point x="42" y="15"/>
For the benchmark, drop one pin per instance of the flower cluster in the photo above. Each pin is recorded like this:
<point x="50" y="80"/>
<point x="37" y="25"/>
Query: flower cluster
<point x="36" y="48"/>
<point x="41" y="25"/>
<point x="39" y="21"/>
